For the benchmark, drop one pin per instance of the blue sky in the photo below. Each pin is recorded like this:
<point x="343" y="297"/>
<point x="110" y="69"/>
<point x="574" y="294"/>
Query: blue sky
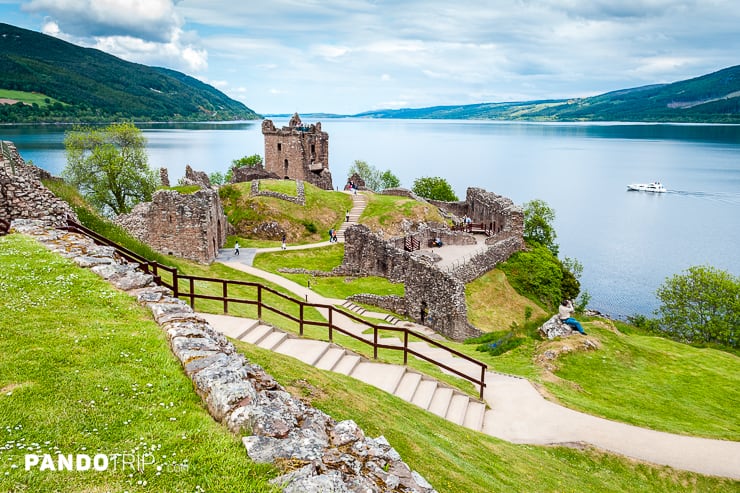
<point x="348" y="56"/>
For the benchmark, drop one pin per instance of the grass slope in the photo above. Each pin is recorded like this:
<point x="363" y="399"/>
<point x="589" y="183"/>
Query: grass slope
<point x="307" y="223"/>
<point x="85" y="371"/>
<point x="455" y="459"/>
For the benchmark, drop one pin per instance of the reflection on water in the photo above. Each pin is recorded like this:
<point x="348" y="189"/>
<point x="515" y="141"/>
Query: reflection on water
<point x="628" y="242"/>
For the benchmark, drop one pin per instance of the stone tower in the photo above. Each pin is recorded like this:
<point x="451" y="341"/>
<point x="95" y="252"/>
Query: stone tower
<point x="298" y="152"/>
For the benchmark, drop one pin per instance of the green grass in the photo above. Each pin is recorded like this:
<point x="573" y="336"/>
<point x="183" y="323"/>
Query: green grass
<point x="27" y="97"/>
<point x="84" y="370"/>
<point x="455" y="459"/>
<point x="324" y="259"/>
<point x="303" y="224"/>
<point x="287" y="187"/>
<point x="654" y="383"/>
<point x="386" y="212"/>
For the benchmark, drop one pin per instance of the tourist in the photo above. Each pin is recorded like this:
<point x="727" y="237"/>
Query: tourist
<point x="284" y="245"/>
<point x="565" y="312"/>
<point x="334" y="238"/>
<point x="236" y="248"/>
<point x="331" y="235"/>
<point x="346" y="216"/>
<point x="437" y="242"/>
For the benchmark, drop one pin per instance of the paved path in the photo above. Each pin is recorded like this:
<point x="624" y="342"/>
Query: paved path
<point x="517" y="411"/>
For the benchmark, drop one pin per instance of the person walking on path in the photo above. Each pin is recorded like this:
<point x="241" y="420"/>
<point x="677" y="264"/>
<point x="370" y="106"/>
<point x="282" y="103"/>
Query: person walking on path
<point x="346" y="216"/>
<point x="331" y="235"/>
<point x="566" y="316"/>
<point x="284" y="246"/>
<point x="236" y="248"/>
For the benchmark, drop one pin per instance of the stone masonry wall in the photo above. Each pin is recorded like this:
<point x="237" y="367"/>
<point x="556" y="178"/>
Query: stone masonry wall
<point x="23" y="196"/>
<point x="191" y="226"/>
<point x="298" y="152"/>
<point x="432" y="297"/>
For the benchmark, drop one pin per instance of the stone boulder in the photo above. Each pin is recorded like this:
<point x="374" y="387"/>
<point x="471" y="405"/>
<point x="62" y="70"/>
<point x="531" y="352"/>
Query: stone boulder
<point x="555" y="328"/>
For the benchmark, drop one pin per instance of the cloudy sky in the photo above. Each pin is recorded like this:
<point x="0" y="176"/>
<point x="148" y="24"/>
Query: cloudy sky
<point x="348" y="56"/>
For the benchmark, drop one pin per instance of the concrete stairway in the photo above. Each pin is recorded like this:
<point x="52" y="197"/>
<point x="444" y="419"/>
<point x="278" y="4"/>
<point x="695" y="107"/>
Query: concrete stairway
<point x="359" y="203"/>
<point x="413" y="387"/>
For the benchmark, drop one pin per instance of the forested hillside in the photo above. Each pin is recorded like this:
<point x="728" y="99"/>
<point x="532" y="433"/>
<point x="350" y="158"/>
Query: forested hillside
<point x="64" y="82"/>
<point x="711" y="98"/>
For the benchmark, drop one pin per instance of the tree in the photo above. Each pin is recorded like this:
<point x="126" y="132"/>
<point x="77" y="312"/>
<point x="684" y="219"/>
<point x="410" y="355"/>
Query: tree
<point x="701" y="305"/>
<point x="253" y="161"/>
<point x="369" y="174"/>
<point x="109" y="166"/>
<point x="434" y="188"/>
<point x="216" y="178"/>
<point x="538" y="228"/>
<point x="389" y="180"/>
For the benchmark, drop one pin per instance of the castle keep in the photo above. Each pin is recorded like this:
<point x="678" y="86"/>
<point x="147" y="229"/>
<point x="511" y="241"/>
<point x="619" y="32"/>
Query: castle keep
<point x="298" y="152"/>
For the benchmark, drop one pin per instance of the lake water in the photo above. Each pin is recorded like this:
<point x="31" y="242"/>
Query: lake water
<point x="628" y="242"/>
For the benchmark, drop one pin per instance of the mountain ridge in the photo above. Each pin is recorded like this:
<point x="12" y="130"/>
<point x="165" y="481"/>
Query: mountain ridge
<point x="85" y="85"/>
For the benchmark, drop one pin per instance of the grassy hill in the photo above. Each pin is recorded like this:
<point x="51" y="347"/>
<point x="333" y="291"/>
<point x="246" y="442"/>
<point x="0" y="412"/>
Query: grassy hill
<point x="711" y="98"/>
<point x="53" y="80"/>
<point x="86" y="370"/>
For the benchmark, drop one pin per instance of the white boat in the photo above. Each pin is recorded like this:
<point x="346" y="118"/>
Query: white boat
<point x="655" y="186"/>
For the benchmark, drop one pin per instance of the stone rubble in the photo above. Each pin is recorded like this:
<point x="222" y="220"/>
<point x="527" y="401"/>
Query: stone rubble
<point x="324" y="455"/>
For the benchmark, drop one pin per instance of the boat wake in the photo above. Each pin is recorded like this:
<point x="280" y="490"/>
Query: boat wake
<point x="730" y="198"/>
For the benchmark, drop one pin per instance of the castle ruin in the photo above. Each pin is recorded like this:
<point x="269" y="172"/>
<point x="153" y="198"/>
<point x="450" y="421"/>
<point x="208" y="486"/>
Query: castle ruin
<point x="191" y="226"/>
<point x="298" y="152"/>
<point x="435" y="297"/>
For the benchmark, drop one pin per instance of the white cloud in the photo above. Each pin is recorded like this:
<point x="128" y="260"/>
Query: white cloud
<point x="142" y="31"/>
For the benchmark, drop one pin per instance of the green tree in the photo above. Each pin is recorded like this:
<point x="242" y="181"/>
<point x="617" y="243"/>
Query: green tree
<point x="253" y="161"/>
<point x="701" y="305"/>
<point x="538" y="228"/>
<point x="389" y="180"/>
<point x="109" y="166"/>
<point x="217" y="178"/>
<point x="369" y="174"/>
<point x="434" y="188"/>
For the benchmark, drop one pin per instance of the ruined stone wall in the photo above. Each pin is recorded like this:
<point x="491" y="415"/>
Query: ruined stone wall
<point x="299" y="198"/>
<point x="191" y="226"/>
<point x="23" y="196"/>
<point x="298" y="152"/>
<point x="506" y="218"/>
<point x="432" y="297"/>
<point x="250" y="173"/>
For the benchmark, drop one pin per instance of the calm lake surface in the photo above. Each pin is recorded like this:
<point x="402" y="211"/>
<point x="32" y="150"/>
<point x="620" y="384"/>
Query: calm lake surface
<point x="628" y="242"/>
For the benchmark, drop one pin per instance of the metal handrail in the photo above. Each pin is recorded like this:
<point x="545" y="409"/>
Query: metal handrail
<point x="179" y="281"/>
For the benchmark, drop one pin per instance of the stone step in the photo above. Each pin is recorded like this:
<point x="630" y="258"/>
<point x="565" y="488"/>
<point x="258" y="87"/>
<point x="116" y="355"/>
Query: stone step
<point x="380" y="375"/>
<point x="474" y="415"/>
<point x="407" y="386"/>
<point x="239" y="331"/>
<point x="424" y="393"/>
<point x="440" y="401"/>
<point x="257" y="333"/>
<point x="347" y="364"/>
<point x="330" y="358"/>
<point x="458" y="408"/>
<point x="307" y="350"/>
<point x="391" y="319"/>
<point x="273" y="340"/>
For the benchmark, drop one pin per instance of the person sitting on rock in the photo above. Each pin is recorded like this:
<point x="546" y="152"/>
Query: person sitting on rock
<point x="565" y="312"/>
<point x="437" y="242"/>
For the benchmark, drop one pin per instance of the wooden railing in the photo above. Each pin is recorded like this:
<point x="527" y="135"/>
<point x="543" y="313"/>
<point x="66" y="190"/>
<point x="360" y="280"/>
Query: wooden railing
<point x="186" y="287"/>
<point x="485" y="228"/>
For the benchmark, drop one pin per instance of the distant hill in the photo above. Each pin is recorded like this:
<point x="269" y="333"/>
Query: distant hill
<point x="65" y="82"/>
<point x="711" y="98"/>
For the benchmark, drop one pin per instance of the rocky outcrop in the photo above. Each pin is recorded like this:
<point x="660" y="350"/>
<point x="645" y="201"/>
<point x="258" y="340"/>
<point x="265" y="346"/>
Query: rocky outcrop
<point x="326" y="455"/>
